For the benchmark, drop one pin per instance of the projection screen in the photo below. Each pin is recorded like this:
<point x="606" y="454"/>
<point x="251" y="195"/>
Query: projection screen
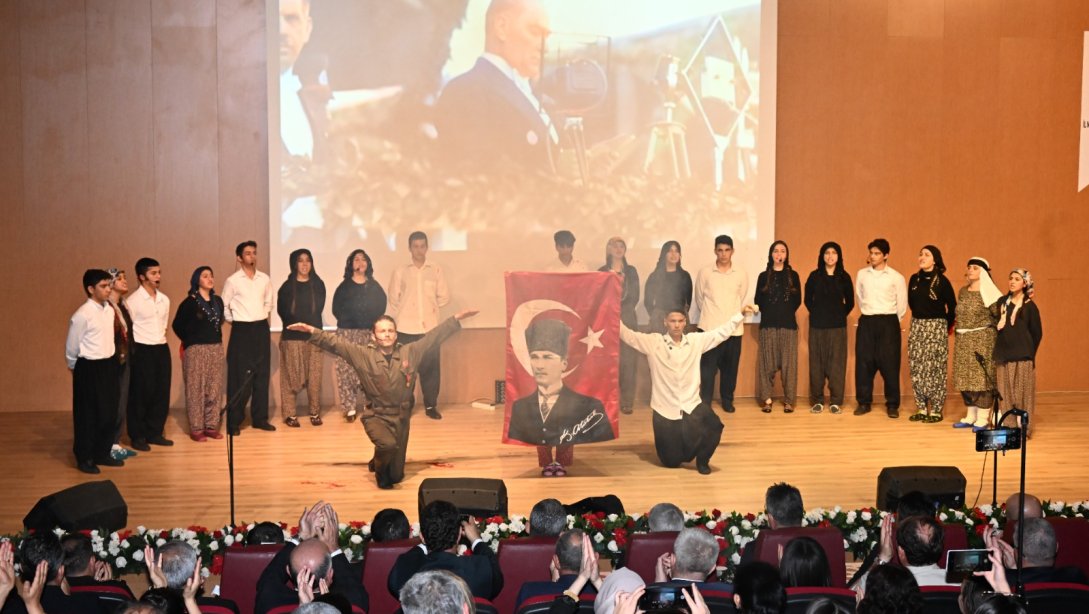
<point x="490" y="124"/>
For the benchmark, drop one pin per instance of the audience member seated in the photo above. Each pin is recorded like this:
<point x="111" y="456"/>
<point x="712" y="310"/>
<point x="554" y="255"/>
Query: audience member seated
<point x="1000" y="604"/>
<point x="973" y="592"/>
<point x="1033" y="508"/>
<point x="168" y="601"/>
<point x="315" y="564"/>
<point x="918" y="544"/>
<point x="87" y="574"/>
<point x="621" y="582"/>
<point x="41" y="550"/>
<point x="665" y="517"/>
<point x="441" y="529"/>
<point x="265" y="533"/>
<point x="913" y="503"/>
<point x="548" y="518"/>
<point x="137" y="607"/>
<point x="804" y="563"/>
<point x="436" y="591"/>
<point x="176" y="564"/>
<point x="890" y="590"/>
<point x="1037" y="555"/>
<point x="695" y="552"/>
<point x="316" y="607"/>
<point x="783" y="504"/>
<point x="390" y="525"/>
<point x="758" y="590"/>
<point x="574" y="570"/>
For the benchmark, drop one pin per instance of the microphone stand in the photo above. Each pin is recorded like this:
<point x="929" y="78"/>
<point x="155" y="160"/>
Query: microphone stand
<point x="995" y="419"/>
<point x="232" y="402"/>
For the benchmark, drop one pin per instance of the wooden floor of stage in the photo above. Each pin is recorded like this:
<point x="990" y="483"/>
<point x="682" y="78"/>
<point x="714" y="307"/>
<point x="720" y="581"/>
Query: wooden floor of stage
<point x="834" y="460"/>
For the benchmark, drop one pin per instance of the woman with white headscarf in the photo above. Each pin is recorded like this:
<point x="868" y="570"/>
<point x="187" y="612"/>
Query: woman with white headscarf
<point x="973" y="351"/>
<point x="1019" y="335"/>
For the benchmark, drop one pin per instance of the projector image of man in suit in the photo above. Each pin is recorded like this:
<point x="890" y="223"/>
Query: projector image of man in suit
<point x="555" y="415"/>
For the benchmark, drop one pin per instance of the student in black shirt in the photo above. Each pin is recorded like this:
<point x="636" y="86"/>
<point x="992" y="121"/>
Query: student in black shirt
<point x="1019" y="335"/>
<point x="829" y="297"/>
<point x="933" y="310"/>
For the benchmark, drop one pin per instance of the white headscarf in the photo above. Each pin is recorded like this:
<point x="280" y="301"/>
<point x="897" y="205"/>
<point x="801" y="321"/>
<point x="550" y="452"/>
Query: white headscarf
<point x="987" y="290"/>
<point x="622" y="580"/>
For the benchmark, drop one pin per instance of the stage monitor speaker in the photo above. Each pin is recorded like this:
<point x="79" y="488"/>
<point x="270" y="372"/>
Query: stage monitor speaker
<point x="91" y="505"/>
<point x="943" y="484"/>
<point x="609" y="504"/>
<point x="480" y="497"/>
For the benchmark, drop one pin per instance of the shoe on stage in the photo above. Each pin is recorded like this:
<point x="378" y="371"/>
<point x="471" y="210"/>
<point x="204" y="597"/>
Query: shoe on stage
<point x="918" y="416"/>
<point x="141" y="445"/>
<point x="89" y="467"/>
<point x="433" y="413"/>
<point x="159" y="441"/>
<point x="862" y="409"/>
<point x="264" y="427"/>
<point x="816" y="409"/>
<point x="350" y="416"/>
<point x="703" y="468"/>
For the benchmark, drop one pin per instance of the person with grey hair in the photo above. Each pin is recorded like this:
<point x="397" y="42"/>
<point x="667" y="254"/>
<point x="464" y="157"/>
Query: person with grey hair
<point x="665" y="517"/>
<point x="693" y="560"/>
<point x="1037" y="555"/>
<point x="548" y="518"/>
<point x="316" y="607"/>
<point x="574" y="570"/>
<point x="176" y="563"/>
<point x="436" y="592"/>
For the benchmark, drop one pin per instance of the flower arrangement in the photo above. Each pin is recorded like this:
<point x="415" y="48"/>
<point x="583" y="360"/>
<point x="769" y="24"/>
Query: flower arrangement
<point x="861" y="528"/>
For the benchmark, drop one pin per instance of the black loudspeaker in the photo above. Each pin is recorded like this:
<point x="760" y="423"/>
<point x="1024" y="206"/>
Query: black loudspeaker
<point x="92" y="505"/>
<point x="480" y="497"/>
<point x="609" y="504"/>
<point x="943" y="484"/>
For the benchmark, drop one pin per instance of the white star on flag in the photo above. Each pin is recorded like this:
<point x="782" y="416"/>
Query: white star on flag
<point x="592" y="339"/>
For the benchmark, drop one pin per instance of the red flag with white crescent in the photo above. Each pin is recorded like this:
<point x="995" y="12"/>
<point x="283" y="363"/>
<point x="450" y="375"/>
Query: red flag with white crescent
<point x="563" y="348"/>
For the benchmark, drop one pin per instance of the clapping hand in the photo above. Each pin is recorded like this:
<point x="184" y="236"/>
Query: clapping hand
<point x="7" y="570"/>
<point x="154" y="568"/>
<point x="31" y="592"/>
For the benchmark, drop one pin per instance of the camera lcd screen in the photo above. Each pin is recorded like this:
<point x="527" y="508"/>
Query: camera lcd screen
<point x="659" y="597"/>
<point x="961" y="564"/>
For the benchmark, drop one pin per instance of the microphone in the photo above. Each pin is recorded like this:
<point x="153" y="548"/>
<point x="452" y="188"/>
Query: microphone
<point x="979" y="357"/>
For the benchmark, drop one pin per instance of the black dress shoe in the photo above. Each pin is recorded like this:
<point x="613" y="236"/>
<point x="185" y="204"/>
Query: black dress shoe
<point x="703" y="468"/>
<point x="88" y="467"/>
<point x="862" y="410"/>
<point x="894" y="412"/>
<point x="141" y="445"/>
<point x="370" y="465"/>
<point x="111" y="462"/>
<point x="264" y="427"/>
<point x="729" y="408"/>
<point x="160" y="441"/>
<point x="433" y="413"/>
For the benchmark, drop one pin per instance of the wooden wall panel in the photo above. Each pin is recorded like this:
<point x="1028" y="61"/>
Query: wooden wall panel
<point x="133" y="127"/>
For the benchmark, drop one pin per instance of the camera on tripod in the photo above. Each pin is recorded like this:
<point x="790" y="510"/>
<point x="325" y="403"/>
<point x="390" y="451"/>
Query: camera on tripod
<point x="999" y="439"/>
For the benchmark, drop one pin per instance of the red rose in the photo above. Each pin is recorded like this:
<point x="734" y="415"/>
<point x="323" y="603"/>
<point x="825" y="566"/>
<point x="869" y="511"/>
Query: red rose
<point x="86" y="532"/>
<point x="217" y="534"/>
<point x="217" y="564"/>
<point x="824" y="523"/>
<point x="620" y="536"/>
<point x="981" y="529"/>
<point x="750" y="517"/>
<point x="716" y="513"/>
<point x="283" y="525"/>
<point x="630" y="523"/>
<point x="357" y="524"/>
<point x="718" y="528"/>
<point x="597" y="524"/>
<point x="197" y="529"/>
<point x="164" y="535"/>
<point x="721" y="562"/>
<point x="600" y="515"/>
<point x="495" y="519"/>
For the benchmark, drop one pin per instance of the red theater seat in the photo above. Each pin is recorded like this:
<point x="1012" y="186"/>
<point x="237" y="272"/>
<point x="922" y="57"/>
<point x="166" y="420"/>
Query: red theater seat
<point x="767" y="545"/>
<point x="522" y="560"/>
<point x="1072" y="536"/>
<point x="1053" y="597"/>
<point x="378" y="560"/>
<point x="644" y="550"/>
<point x="799" y="597"/>
<point x="956" y="538"/>
<point x="242" y="566"/>
<point x="941" y="599"/>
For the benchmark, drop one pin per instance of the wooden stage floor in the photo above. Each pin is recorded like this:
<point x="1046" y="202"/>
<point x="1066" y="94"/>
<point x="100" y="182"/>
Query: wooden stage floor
<point x="834" y="460"/>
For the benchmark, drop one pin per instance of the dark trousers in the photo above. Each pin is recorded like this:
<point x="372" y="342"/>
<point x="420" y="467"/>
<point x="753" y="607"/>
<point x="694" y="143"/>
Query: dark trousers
<point x="149" y="390"/>
<point x="248" y="372"/>
<point x="628" y="356"/>
<point x="827" y="362"/>
<point x="389" y="434"/>
<point x="877" y="350"/>
<point x="430" y="370"/>
<point x="722" y="359"/>
<point x="123" y="400"/>
<point x="695" y="435"/>
<point x="95" y="392"/>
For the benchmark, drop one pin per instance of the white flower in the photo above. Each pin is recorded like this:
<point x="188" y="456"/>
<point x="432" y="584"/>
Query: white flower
<point x="744" y="541"/>
<point x="160" y="542"/>
<point x="517" y="525"/>
<point x="1056" y="506"/>
<point x="745" y="524"/>
<point x="125" y="544"/>
<point x="852" y="516"/>
<point x="213" y="546"/>
<point x="943" y="517"/>
<point x="711" y="524"/>
<point x="94" y="533"/>
<point x="958" y="514"/>
<point x="356" y="539"/>
<point x="504" y="527"/>
<point x="250" y="526"/>
<point x="228" y="539"/>
<point x="737" y="539"/>
<point x="194" y="543"/>
<point x="461" y="549"/>
<point x="612" y="517"/>
<point x="598" y="537"/>
<point x="867" y="516"/>
<point x="612" y="546"/>
<point x="570" y="521"/>
<point x="341" y="526"/>
<point x="115" y="537"/>
<point x="366" y="530"/>
<point x="120" y="562"/>
<point x="734" y="530"/>
<point x="205" y="572"/>
<point x="59" y="532"/>
<point x="140" y="530"/>
<point x="138" y="556"/>
<point x="735" y="558"/>
<point x="805" y="522"/>
<point x="858" y="535"/>
<point x="986" y="509"/>
<point x="348" y="555"/>
<point x="487" y="536"/>
<point x="969" y="522"/>
<point x="837" y="509"/>
<point x="114" y="551"/>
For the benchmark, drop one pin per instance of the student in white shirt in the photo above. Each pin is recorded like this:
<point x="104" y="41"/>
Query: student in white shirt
<point x="247" y="296"/>
<point x="150" y="365"/>
<point x="882" y="299"/>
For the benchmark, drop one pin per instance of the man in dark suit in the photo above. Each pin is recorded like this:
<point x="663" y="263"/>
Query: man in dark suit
<point x="44" y="548"/>
<point x="554" y="415"/>
<point x="318" y="557"/>
<point x="441" y="530"/>
<point x="489" y="114"/>
<point x="87" y="574"/>
<point x="568" y="566"/>
<point x="695" y="554"/>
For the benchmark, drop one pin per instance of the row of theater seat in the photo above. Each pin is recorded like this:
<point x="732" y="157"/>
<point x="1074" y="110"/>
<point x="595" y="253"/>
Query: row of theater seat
<point x="527" y="559"/>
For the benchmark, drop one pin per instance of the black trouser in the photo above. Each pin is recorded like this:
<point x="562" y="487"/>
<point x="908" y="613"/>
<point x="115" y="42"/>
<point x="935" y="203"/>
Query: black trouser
<point x="123" y="400"/>
<point x="430" y="369"/>
<point x="95" y="392"/>
<point x="628" y="357"/>
<point x="388" y="429"/>
<point x="248" y="372"/>
<point x="149" y="390"/>
<point x="723" y="359"/>
<point x="695" y="435"/>
<point x="877" y="350"/>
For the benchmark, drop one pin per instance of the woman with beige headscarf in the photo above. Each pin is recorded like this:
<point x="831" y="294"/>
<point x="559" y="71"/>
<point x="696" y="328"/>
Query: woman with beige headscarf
<point x="1019" y="335"/>
<point x="973" y="350"/>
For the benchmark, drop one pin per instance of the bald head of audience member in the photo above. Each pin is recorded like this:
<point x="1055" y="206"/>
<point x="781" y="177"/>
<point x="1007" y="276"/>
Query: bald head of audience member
<point x="312" y="554"/>
<point x="1033" y="509"/>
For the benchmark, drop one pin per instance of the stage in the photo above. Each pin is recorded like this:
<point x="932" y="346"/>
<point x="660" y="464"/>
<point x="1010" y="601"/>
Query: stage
<point x="834" y="460"/>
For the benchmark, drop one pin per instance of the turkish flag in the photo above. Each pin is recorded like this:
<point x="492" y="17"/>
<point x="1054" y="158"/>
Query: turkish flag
<point x="563" y="348"/>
